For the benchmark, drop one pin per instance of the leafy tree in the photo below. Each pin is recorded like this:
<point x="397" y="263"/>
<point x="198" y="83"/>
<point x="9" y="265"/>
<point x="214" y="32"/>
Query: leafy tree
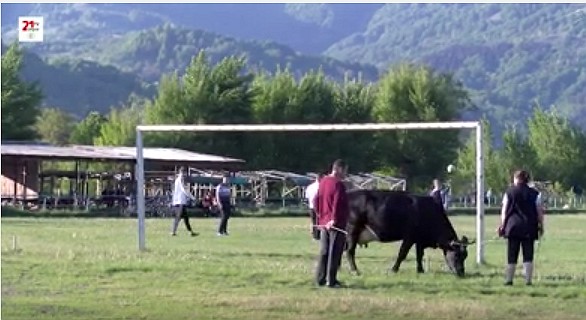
<point x="169" y="107"/>
<point x="516" y="154"/>
<point x="54" y="126"/>
<point x="120" y="129"/>
<point x="411" y="93"/>
<point x="271" y="103"/>
<point x="20" y="100"/>
<point x="463" y="179"/>
<point x="281" y="99"/>
<point x="559" y="147"/>
<point x="353" y="101"/>
<point x="88" y="129"/>
<point x="208" y="94"/>
<point x="230" y="99"/>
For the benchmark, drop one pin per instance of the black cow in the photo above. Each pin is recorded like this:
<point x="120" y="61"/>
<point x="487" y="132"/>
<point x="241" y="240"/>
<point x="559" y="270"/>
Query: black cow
<point x="389" y="216"/>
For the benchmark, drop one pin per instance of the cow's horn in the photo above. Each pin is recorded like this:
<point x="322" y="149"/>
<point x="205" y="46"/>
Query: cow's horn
<point x="466" y="241"/>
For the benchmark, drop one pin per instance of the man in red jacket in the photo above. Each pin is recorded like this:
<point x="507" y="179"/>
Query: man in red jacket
<point x="331" y="204"/>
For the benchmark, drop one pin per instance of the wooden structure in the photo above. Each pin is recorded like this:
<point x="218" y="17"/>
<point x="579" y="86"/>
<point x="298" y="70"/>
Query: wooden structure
<point x="23" y="178"/>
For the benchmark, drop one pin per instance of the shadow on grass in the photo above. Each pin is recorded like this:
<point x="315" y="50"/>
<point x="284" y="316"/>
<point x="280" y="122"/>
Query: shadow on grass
<point x="306" y="256"/>
<point x="192" y="212"/>
<point x="11" y="212"/>
<point x="114" y="270"/>
<point x="267" y="255"/>
<point x="8" y="212"/>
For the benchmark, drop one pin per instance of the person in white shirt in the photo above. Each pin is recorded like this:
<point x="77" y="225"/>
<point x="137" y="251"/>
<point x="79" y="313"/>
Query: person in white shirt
<point x="179" y="202"/>
<point x="310" y="195"/>
<point x="223" y="199"/>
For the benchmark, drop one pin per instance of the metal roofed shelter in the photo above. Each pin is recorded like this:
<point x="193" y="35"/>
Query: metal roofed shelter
<point x="254" y="187"/>
<point x="21" y="162"/>
<point x="118" y="154"/>
<point x="270" y="186"/>
<point x="377" y="181"/>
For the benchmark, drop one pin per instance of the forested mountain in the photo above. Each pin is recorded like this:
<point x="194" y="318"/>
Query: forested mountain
<point x="153" y="52"/>
<point x="507" y="55"/>
<point x="82" y="86"/>
<point x="308" y="28"/>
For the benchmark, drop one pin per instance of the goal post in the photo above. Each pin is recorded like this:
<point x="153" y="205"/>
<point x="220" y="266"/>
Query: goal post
<point x="477" y="125"/>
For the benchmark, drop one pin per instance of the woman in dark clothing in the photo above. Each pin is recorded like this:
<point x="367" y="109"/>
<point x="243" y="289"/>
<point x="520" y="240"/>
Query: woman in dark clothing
<point x="521" y="224"/>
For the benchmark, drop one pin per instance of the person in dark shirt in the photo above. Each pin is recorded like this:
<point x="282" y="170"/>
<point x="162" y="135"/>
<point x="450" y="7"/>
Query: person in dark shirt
<point x="331" y="204"/>
<point x="224" y="198"/>
<point x="521" y="224"/>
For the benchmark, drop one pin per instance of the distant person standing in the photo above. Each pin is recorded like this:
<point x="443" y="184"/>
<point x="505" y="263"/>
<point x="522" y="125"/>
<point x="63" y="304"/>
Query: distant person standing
<point x="223" y="199"/>
<point x="333" y="212"/>
<point x="179" y="203"/>
<point x="310" y="194"/>
<point x="438" y="193"/>
<point x="521" y="224"/>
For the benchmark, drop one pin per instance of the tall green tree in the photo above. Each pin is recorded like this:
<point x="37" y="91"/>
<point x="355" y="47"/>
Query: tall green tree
<point x="169" y="107"/>
<point x="120" y="129"/>
<point x="55" y="126"/>
<point x="20" y="100"/>
<point x="516" y="154"/>
<point x="497" y="166"/>
<point x="88" y="129"/>
<point x="559" y="148"/>
<point x="280" y="99"/>
<point x="353" y="101"/>
<point x="229" y="103"/>
<point x="272" y="100"/>
<point x="410" y="93"/>
<point x="218" y="94"/>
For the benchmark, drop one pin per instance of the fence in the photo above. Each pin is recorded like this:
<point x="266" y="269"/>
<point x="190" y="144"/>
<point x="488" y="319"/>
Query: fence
<point x="551" y="202"/>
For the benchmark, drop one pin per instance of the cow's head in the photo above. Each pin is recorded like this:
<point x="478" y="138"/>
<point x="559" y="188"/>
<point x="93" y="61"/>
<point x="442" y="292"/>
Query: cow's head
<point x="456" y="253"/>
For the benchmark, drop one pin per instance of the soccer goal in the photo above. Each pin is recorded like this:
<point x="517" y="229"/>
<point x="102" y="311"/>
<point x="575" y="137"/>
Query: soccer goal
<point x="140" y="187"/>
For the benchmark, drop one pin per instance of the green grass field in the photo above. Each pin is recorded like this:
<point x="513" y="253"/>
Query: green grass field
<point x="91" y="269"/>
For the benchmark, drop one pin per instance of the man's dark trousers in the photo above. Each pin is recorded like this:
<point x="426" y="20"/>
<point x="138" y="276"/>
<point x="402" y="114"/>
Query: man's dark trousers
<point x="225" y="214"/>
<point x="331" y="248"/>
<point x="180" y="213"/>
<point x="315" y="232"/>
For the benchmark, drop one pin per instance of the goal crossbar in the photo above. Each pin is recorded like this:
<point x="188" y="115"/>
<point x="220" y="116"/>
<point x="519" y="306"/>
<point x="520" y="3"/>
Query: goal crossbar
<point x="140" y="129"/>
<point x="308" y="127"/>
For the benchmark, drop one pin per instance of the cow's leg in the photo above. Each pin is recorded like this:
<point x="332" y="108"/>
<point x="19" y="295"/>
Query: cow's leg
<point x="419" y="252"/>
<point x="351" y="253"/>
<point x="403" y="251"/>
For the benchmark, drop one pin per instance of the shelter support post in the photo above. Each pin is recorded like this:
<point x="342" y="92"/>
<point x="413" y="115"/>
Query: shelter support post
<point x="24" y="184"/>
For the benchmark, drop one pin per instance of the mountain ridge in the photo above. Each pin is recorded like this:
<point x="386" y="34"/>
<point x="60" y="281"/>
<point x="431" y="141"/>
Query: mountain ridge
<point x="507" y="55"/>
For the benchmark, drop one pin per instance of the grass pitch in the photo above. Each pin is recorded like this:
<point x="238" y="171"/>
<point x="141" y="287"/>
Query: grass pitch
<point x="91" y="269"/>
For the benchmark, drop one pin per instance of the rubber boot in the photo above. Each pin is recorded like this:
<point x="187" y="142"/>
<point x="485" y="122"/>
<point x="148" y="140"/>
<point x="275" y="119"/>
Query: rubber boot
<point x="509" y="274"/>
<point x="528" y="271"/>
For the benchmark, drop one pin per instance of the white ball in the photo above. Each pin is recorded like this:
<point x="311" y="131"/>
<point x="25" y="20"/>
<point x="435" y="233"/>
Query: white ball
<point x="451" y="168"/>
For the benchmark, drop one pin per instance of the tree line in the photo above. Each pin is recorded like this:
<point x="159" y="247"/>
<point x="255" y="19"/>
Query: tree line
<point x="228" y="92"/>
